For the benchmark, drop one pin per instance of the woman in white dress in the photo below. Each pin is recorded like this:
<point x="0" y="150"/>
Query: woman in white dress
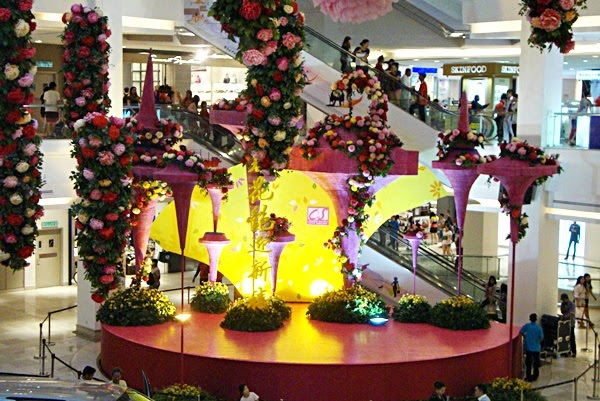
<point x="446" y="241"/>
<point x="579" y="293"/>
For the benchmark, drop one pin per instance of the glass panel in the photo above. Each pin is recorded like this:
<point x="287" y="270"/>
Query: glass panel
<point x="579" y="130"/>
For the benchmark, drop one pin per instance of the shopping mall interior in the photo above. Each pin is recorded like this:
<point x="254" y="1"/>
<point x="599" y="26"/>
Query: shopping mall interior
<point x="476" y="47"/>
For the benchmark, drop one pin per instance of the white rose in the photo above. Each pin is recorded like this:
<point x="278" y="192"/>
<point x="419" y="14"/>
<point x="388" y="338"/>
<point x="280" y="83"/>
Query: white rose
<point x="21" y="28"/>
<point x="287" y="105"/>
<point x="33" y="70"/>
<point x="524" y="221"/>
<point x="16" y="199"/>
<point x="82" y="217"/>
<point x="86" y="9"/>
<point x="22" y="167"/>
<point x="11" y="71"/>
<point x="79" y="124"/>
<point x="275" y="22"/>
<point x="27" y="229"/>
<point x="297" y="61"/>
<point x="159" y="135"/>
<point x="148" y="135"/>
<point x="4" y="256"/>
<point x="470" y="136"/>
<point x="25" y="119"/>
<point x="279" y="136"/>
<point x="29" y="212"/>
<point x="288" y="9"/>
<point x="480" y="139"/>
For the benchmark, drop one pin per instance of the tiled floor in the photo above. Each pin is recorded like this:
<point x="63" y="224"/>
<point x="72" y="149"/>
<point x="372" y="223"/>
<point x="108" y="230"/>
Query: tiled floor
<point x="22" y="311"/>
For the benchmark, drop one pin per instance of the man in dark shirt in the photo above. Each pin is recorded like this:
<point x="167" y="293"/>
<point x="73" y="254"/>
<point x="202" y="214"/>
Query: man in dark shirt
<point x="567" y="310"/>
<point x="575" y="231"/>
<point x="439" y="392"/>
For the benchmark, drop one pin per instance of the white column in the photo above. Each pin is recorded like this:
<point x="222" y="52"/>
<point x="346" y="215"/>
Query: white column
<point x="86" y="307"/>
<point x="113" y="9"/>
<point x="540" y="92"/>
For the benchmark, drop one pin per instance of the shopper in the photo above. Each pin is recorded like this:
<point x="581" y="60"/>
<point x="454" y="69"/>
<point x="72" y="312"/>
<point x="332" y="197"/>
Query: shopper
<point x="588" y="291"/>
<point x="246" y="394"/>
<point x="361" y="54"/>
<point x="134" y="98"/>
<point x="476" y="106"/>
<point x="193" y="107"/>
<point x="584" y="107"/>
<point x="439" y="392"/>
<point x="395" y="286"/>
<point x="185" y="102"/>
<point x="490" y="291"/>
<point x="499" y="116"/>
<point x="392" y="85"/>
<point x="480" y="392"/>
<point x="422" y="100"/>
<point x="379" y="65"/>
<point x="394" y="231"/>
<point x="345" y="57"/>
<point x="51" y="102"/>
<point x="88" y="373"/>
<point x="204" y="110"/>
<point x="532" y="343"/>
<point x="405" y="95"/>
<point x="507" y="123"/>
<point x="579" y="296"/>
<point x="575" y="232"/>
<point x="567" y="310"/>
<point x="154" y="276"/>
<point x="115" y="376"/>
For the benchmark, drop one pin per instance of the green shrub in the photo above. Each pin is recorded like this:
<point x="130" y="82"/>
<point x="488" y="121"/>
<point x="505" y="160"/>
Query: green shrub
<point x="131" y="307"/>
<point x="459" y="313"/>
<point x="412" y="309"/>
<point x="211" y="298"/>
<point x="257" y="313"/>
<point x="353" y="305"/>
<point x="504" y="389"/>
<point x="182" y="392"/>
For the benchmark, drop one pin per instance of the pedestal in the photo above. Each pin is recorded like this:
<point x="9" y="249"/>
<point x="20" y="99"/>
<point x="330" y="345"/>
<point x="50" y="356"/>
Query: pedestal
<point x="276" y="248"/>
<point x="214" y="243"/>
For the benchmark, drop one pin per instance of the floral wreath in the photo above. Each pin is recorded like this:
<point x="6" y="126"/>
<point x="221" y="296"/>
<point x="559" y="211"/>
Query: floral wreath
<point x="373" y="150"/>
<point x="275" y="226"/>
<point x="20" y="157"/>
<point x="271" y="36"/>
<point x="102" y="181"/>
<point x="522" y="150"/>
<point x="85" y="62"/>
<point x="552" y="22"/>
<point x="238" y="104"/>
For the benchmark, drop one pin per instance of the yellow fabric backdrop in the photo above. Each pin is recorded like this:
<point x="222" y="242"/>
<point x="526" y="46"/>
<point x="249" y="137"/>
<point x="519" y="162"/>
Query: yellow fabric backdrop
<point x="306" y="268"/>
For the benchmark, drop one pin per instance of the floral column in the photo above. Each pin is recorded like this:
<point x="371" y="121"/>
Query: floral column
<point x="20" y="157"/>
<point x="276" y="231"/>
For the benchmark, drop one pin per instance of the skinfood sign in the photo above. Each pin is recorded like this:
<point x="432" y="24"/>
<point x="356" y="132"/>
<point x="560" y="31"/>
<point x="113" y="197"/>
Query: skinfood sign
<point x="485" y="69"/>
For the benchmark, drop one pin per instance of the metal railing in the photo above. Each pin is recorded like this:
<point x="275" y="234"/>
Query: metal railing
<point x="49" y="340"/>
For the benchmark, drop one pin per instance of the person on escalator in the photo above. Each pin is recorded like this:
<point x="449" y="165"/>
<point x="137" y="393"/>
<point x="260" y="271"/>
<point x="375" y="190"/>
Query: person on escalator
<point x="422" y="100"/>
<point x="345" y="57"/>
<point x="362" y="55"/>
<point x="476" y="107"/>
<point x="204" y="110"/>
<point x="405" y="95"/>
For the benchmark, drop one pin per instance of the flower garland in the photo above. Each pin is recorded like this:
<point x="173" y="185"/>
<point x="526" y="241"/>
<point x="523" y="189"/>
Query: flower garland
<point x="522" y="150"/>
<point x="271" y="37"/>
<point x="552" y="22"/>
<point x="85" y="62"/>
<point x="372" y="148"/>
<point x="238" y="104"/>
<point x="102" y="180"/>
<point x="275" y="226"/>
<point x="20" y="157"/>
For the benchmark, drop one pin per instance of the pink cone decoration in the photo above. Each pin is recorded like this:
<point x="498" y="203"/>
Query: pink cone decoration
<point x="214" y="243"/>
<point x="147" y="115"/>
<point x="276" y="247"/>
<point x="216" y="198"/>
<point x="463" y="120"/>
<point x="414" y="244"/>
<point x="355" y="11"/>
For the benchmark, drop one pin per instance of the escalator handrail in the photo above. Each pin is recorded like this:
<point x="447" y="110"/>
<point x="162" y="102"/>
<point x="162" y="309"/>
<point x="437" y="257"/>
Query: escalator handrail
<point x="385" y="75"/>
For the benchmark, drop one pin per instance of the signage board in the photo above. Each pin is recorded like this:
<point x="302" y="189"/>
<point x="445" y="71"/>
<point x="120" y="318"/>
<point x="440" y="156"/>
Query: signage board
<point x="588" y="75"/>
<point x="424" y="70"/>
<point x="317" y="216"/>
<point x="50" y="224"/>
<point x="481" y="69"/>
<point x="44" y="64"/>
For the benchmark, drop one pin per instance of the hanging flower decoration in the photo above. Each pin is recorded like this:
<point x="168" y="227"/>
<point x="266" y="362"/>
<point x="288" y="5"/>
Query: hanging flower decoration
<point x="151" y="144"/>
<point x="274" y="227"/>
<point x="552" y="22"/>
<point x="354" y="11"/>
<point x="522" y="150"/>
<point x="372" y="148"/>
<point x="85" y="62"/>
<point x="103" y="152"/>
<point x="416" y="230"/>
<point x="149" y="190"/>
<point x="20" y="157"/>
<point x="271" y="36"/>
<point x="458" y="140"/>
<point x="237" y="104"/>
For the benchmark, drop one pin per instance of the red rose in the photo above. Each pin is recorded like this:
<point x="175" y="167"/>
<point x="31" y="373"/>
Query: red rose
<point x="114" y="132"/>
<point x="29" y="131"/>
<point x="260" y="91"/>
<point x="295" y="6"/>
<point x="32" y="26"/>
<point x="543" y="2"/>
<point x="100" y="122"/>
<point x="25" y="5"/>
<point x="102" y="260"/>
<point x="515" y="213"/>
<point x="25" y="252"/>
<point x="83" y="52"/>
<point x="88" y="41"/>
<point x="35" y="173"/>
<point x="27" y="53"/>
<point x="4" y="14"/>
<point x="88" y="153"/>
<point x="278" y="76"/>
<point x="258" y="115"/>
<point x="79" y="225"/>
<point x="34" y="199"/>
<point x="124" y="161"/>
<point x="74" y="115"/>
<point x="28" y="99"/>
<point x="14" y="219"/>
<point x="91" y="107"/>
<point x="96" y="297"/>
<point x="13" y="116"/>
<point x="103" y="46"/>
<point x="15" y="96"/>
<point x="109" y="198"/>
<point x="107" y="233"/>
<point x="250" y="11"/>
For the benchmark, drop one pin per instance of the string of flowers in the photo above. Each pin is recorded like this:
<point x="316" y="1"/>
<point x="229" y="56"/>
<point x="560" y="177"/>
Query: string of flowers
<point x="20" y="157"/>
<point x="271" y="36"/>
<point x="552" y="22"/>
<point x="372" y="148"/>
<point x="522" y="150"/>
<point x="85" y="62"/>
<point x="102" y="180"/>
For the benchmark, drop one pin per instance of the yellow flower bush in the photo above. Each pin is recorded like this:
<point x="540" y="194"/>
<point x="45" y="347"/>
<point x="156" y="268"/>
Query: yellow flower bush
<point x="459" y="313"/>
<point x="183" y="392"/>
<point x="133" y="307"/>
<point x="211" y="298"/>
<point x="509" y="389"/>
<point x="257" y="313"/>
<point x="353" y="305"/>
<point x="412" y="309"/>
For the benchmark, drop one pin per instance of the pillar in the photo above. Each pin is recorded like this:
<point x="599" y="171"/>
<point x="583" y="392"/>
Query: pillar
<point x="113" y="9"/>
<point x="540" y="93"/>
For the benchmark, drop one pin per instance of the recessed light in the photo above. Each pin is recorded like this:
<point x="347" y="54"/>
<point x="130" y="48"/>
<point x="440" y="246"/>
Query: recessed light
<point x="571" y="69"/>
<point x="436" y="61"/>
<point x="465" y="58"/>
<point x="585" y="61"/>
<point x="595" y="56"/>
<point x="37" y="41"/>
<point x="416" y="59"/>
<point x="565" y="63"/>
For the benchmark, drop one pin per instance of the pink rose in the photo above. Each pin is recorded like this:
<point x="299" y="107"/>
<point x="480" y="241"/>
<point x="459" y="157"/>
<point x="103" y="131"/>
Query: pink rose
<point x="566" y="4"/>
<point x="26" y="80"/>
<point x="283" y="21"/>
<point x="111" y="269"/>
<point x="10" y="238"/>
<point x="92" y="17"/>
<point x="106" y="158"/>
<point x="101" y="38"/>
<point x="282" y="64"/>
<point x="550" y="20"/>
<point x="88" y="174"/>
<point x="275" y="95"/>
<point x="29" y="149"/>
<point x="290" y="40"/>
<point x="95" y="194"/>
<point x="253" y="57"/>
<point x="76" y="8"/>
<point x="80" y="101"/>
<point x="106" y="279"/>
<point x="270" y="48"/>
<point x="11" y="181"/>
<point x="118" y="149"/>
<point x="265" y="34"/>
<point x="570" y="45"/>
<point x="96" y="224"/>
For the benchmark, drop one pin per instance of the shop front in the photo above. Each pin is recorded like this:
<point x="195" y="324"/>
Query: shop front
<point x="488" y="80"/>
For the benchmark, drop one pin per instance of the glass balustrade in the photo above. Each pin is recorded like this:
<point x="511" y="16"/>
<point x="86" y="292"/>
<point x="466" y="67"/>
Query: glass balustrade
<point x="578" y="130"/>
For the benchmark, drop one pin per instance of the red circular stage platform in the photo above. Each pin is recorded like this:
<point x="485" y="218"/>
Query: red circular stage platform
<point x="310" y="360"/>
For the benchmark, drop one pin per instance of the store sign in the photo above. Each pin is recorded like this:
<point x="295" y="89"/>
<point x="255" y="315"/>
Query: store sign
<point x="44" y="64"/>
<point x="509" y="69"/>
<point x="424" y="70"/>
<point x="468" y="69"/>
<point x="317" y="216"/>
<point x="588" y="75"/>
<point x="50" y="224"/>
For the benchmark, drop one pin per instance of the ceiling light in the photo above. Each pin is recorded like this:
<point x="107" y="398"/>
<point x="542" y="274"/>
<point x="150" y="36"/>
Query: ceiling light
<point x="565" y="63"/>
<point x="465" y="58"/>
<point x="585" y="61"/>
<point x="595" y="56"/>
<point x="571" y="69"/>
<point x="124" y="47"/>
<point x="37" y="41"/>
<point x="436" y="61"/>
<point x="416" y="59"/>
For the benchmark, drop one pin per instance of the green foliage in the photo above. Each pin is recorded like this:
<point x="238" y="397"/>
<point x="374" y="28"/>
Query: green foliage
<point x="211" y="298"/>
<point x="257" y="313"/>
<point x="459" y="313"/>
<point x="505" y="389"/>
<point x="412" y="309"/>
<point x="353" y="305"/>
<point x="144" y="307"/>
<point x="182" y="392"/>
